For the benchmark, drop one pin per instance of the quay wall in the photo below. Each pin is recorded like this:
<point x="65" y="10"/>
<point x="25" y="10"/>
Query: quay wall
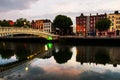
<point x="69" y="40"/>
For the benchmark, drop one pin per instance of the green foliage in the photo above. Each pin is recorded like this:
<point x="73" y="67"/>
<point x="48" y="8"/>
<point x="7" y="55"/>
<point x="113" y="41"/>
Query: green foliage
<point x="103" y="24"/>
<point x="62" y="22"/>
<point x="22" y="23"/>
<point x="4" y="23"/>
<point x="6" y="53"/>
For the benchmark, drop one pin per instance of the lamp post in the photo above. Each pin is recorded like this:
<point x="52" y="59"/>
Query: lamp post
<point x="24" y="24"/>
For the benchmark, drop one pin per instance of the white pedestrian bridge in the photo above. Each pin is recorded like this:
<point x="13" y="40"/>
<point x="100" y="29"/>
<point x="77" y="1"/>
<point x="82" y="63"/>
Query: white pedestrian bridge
<point x="9" y="31"/>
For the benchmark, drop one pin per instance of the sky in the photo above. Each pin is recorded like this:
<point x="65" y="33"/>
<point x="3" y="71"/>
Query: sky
<point x="42" y="9"/>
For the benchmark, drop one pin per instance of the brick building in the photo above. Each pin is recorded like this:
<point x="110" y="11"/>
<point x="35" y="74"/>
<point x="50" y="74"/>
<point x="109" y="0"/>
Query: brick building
<point x="81" y="22"/>
<point x="85" y="25"/>
<point x="43" y="25"/>
<point x="93" y="20"/>
<point x="39" y="24"/>
<point x="11" y="23"/>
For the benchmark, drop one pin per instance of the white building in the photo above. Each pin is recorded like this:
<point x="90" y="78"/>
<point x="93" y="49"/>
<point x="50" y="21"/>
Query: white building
<point x="47" y="26"/>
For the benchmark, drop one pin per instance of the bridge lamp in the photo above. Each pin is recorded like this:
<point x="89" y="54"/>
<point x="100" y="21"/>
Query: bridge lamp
<point x="49" y="38"/>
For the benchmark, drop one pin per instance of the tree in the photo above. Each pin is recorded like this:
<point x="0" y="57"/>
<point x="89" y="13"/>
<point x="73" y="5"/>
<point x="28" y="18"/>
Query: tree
<point x="0" y="23"/>
<point x="22" y="23"/>
<point x="4" y="23"/>
<point x="103" y="24"/>
<point x="63" y="23"/>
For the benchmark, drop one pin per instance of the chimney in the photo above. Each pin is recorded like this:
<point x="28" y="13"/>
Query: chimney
<point x="116" y="12"/>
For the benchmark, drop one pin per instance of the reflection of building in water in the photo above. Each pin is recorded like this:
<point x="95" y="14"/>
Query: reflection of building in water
<point x="98" y="55"/>
<point x="85" y="54"/>
<point x="115" y="55"/>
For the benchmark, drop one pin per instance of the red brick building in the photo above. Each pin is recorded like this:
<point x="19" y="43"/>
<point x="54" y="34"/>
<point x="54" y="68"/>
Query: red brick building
<point x="93" y="20"/>
<point x="11" y="23"/>
<point x="81" y="24"/>
<point x="33" y="25"/>
<point x="85" y="25"/>
<point x="42" y="25"/>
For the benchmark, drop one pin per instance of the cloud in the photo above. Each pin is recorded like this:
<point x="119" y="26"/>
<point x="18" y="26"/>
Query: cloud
<point x="40" y="9"/>
<point x="8" y="5"/>
<point x="108" y="75"/>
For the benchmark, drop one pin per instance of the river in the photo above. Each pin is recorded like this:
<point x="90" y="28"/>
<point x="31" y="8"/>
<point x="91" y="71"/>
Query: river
<point x="57" y="61"/>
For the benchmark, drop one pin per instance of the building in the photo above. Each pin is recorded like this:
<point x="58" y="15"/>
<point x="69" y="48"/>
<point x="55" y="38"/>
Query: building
<point x="115" y="25"/>
<point x="81" y="22"/>
<point x="42" y="25"/>
<point x="39" y="24"/>
<point x="85" y="25"/>
<point x="11" y="23"/>
<point x="47" y="27"/>
<point x="33" y="24"/>
<point x="93" y="20"/>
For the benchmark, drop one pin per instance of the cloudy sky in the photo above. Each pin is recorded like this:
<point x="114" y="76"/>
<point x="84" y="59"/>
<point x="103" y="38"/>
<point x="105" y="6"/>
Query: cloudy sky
<point x="42" y="9"/>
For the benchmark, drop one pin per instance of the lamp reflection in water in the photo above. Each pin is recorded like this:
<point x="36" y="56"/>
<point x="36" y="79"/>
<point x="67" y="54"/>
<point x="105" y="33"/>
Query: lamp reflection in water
<point x="26" y="68"/>
<point x="48" y="46"/>
<point x="74" y="50"/>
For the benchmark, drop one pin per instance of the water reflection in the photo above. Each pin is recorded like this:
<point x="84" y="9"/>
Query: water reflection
<point x="102" y="56"/>
<point x="6" y="53"/>
<point x="21" y="51"/>
<point x="62" y="55"/>
<point x="60" y="62"/>
<point x="93" y="55"/>
<point x="98" y="55"/>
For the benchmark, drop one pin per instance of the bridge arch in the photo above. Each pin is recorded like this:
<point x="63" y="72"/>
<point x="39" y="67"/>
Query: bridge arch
<point x="5" y="31"/>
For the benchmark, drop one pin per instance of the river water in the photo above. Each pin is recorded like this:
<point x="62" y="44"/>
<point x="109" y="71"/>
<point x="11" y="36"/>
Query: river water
<point x="57" y="61"/>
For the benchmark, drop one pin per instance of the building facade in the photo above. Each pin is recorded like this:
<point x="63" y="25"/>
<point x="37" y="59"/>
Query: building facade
<point x="81" y="26"/>
<point x="47" y="26"/>
<point x="85" y="25"/>
<point x="42" y="25"/>
<point x="39" y="24"/>
<point x="33" y="24"/>
<point x="93" y="20"/>
<point x="11" y="23"/>
<point x="115" y="19"/>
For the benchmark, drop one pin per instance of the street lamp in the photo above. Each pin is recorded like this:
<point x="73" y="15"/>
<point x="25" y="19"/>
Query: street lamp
<point x="24" y="24"/>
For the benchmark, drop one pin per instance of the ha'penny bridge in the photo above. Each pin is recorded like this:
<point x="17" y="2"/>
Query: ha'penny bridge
<point x="9" y="32"/>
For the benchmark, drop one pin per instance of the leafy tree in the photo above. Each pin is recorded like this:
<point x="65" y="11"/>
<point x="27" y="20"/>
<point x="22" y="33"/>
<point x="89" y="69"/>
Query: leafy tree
<point x="22" y="23"/>
<point x="103" y="24"/>
<point x="0" y="23"/>
<point x="4" y="23"/>
<point x="63" y="23"/>
<point x="6" y="53"/>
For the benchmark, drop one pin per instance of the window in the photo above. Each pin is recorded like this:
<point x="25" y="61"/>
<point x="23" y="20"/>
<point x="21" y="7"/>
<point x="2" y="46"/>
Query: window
<point x="113" y="20"/>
